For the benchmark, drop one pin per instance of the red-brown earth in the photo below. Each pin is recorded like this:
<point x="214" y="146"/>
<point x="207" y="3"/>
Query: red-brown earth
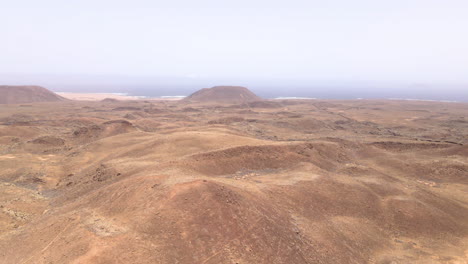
<point x="305" y="181"/>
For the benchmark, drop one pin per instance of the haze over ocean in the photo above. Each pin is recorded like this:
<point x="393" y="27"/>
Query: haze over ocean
<point x="324" y="49"/>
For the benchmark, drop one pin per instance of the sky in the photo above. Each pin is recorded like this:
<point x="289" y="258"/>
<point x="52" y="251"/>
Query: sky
<point x="257" y="42"/>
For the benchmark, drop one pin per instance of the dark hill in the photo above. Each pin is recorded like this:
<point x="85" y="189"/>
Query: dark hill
<point x="27" y="94"/>
<point x="224" y="94"/>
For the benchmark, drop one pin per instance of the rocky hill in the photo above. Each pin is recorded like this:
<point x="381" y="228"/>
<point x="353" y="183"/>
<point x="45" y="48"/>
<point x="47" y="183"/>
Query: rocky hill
<point x="224" y="94"/>
<point x="27" y="94"/>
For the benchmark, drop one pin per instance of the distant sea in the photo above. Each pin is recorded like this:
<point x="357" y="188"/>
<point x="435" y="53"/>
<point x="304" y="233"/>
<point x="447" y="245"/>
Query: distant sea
<point x="318" y="93"/>
<point x="157" y="86"/>
<point x="287" y="92"/>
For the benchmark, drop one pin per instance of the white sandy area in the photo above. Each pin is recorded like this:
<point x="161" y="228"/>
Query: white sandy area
<point x="101" y="96"/>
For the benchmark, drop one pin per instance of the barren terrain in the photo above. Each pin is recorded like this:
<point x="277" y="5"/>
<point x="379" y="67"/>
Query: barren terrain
<point x="293" y="181"/>
<point x="10" y="94"/>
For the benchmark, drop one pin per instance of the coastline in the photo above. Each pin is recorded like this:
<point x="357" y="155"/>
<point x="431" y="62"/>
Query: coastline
<point x="117" y="96"/>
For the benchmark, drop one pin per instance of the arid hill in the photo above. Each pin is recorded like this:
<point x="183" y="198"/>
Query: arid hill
<point x="291" y="181"/>
<point x="110" y="100"/>
<point x="224" y="94"/>
<point x="27" y="94"/>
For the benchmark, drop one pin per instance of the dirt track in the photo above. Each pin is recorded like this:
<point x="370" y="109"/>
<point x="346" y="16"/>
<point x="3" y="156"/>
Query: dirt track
<point x="303" y="181"/>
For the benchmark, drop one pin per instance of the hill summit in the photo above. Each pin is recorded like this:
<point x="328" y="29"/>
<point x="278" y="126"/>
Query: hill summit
<point x="224" y="94"/>
<point x="27" y="94"/>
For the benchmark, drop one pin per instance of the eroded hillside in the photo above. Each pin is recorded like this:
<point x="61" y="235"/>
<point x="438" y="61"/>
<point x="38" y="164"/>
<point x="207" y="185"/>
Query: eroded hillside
<point x="302" y="181"/>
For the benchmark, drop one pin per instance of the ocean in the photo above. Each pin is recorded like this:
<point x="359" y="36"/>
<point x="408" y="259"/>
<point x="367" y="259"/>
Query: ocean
<point x="316" y="93"/>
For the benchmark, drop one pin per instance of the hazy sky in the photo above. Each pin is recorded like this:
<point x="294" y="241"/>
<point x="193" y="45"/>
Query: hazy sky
<point x="360" y="40"/>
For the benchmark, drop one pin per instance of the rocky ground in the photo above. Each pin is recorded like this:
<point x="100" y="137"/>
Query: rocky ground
<point x="293" y="181"/>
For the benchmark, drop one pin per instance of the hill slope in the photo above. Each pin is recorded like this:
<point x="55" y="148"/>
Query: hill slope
<point x="224" y="94"/>
<point x="160" y="182"/>
<point x="27" y="94"/>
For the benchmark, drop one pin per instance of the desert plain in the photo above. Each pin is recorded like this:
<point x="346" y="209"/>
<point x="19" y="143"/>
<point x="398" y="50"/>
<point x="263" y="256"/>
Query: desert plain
<point x="270" y="181"/>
